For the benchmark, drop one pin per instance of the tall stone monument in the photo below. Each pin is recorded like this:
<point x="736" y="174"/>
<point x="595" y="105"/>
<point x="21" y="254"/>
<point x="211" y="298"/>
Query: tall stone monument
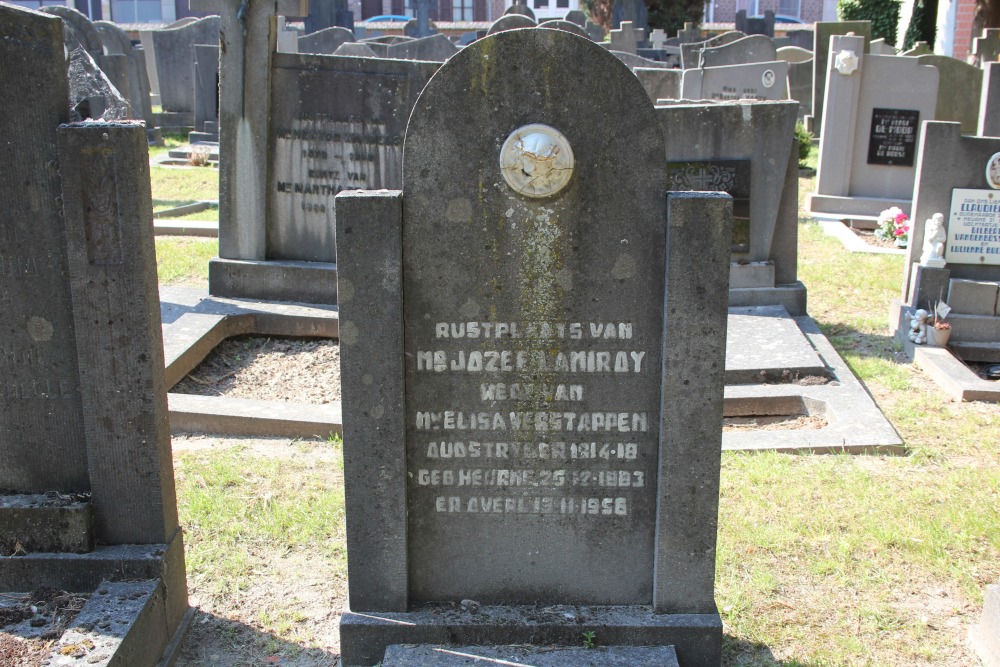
<point x="532" y="424"/>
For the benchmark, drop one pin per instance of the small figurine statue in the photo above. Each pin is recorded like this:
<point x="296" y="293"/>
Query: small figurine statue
<point x="934" y="238"/>
<point x="918" y="326"/>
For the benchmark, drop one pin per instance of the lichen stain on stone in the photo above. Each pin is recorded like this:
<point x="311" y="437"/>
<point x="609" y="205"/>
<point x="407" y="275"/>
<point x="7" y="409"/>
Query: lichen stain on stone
<point x="459" y="211"/>
<point x="484" y="68"/>
<point x="624" y="267"/>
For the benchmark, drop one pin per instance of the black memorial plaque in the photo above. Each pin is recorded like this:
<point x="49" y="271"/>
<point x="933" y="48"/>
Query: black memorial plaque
<point x="893" y="137"/>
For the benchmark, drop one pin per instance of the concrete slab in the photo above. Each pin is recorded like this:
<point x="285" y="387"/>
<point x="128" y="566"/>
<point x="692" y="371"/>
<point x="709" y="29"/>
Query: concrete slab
<point x="405" y="655"/>
<point x="854" y="423"/>
<point x="205" y="228"/>
<point x="836" y="228"/>
<point x="984" y="638"/>
<point x="763" y="338"/>
<point x="764" y="343"/>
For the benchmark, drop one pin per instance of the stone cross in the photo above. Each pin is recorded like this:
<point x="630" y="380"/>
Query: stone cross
<point x="626" y="38"/>
<point x="987" y="48"/>
<point x="657" y="38"/>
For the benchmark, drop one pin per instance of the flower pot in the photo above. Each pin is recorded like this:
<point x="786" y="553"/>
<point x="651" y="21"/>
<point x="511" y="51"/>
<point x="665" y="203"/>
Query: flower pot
<point x="900" y="243"/>
<point x="938" y="337"/>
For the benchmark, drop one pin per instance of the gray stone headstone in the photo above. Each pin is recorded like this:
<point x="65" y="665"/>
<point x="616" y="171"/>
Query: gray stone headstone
<point x="336" y="124"/>
<point x="634" y="61"/>
<point x="755" y="25"/>
<point x="660" y="84"/>
<point x="530" y="286"/>
<point x="41" y="417"/>
<point x="174" y="54"/>
<point x="756" y="81"/>
<point x="800" y="86"/>
<point x="691" y="51"/>
<point x="626" y="37"/>
<point x="577" y="17"/>
<point x="206" y="90"/>
<point x="117" y="42"/>
<point x="358" y="50"/>
<point x="824" y="31"/>
<point x="919" y="49"/>
<point x="689" y="34"/>
<point x="633" y="11"/>
<point x="794" y="54"/>
<point x="872" y="121"/>
<point x="511" y="22"/>
<point x="80" y="28"/>
<point x="879" y="47"/>
<point x="952" y="162"/>
<point x="436" y="48"/>
<point x="325" y="41"/>
<point x="559" y="24"/>
<point x="748" y="150"/>
<point x="749" y="49"/>
<point x="595" y="31"/>
<point x="959" y="91"/>
<point x="420" y="26"/>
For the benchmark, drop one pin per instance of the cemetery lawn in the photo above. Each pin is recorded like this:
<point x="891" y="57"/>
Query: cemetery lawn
<point x="822" y="560"/>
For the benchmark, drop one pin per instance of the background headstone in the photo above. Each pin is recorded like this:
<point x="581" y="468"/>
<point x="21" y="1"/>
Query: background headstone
<point x="824" y="30"/>
<point x="634" y="11"/>
<point x="959" y="91"/>
<point x="986" y="49"/>
<point x="174" y="63"/>
<point x="691" y="51"/>
<point x="756" y="81"/>
<point x="750" y="49"/>
<point x="325" y="41"/>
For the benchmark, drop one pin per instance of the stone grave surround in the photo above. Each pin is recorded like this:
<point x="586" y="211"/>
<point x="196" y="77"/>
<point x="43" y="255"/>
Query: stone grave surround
<point x="872" y="118"/>
<point x="530" y="232"/>
<point x="84" y="400"/>
<point x="748" y="149"/>
<point x="952" y="180"/>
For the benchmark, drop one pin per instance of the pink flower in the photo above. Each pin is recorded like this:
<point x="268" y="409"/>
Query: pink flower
<point x="901" y="218"/>
<point x="899" y="232"/>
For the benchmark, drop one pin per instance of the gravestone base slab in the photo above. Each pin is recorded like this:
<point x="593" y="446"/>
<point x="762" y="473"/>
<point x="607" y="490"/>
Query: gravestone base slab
<point x="944" y="365"/>
<point x="365" y="636"/>
<point x="791" y="297"/>
<point x="174" y="120"/>
<point x="764" y="342"/>
<point x="405" y="655"/>
<point x="853" y="206"/>
<point x="273" y="280"/>
<point x="985" y="637"/>
<point x="39" y="522"/>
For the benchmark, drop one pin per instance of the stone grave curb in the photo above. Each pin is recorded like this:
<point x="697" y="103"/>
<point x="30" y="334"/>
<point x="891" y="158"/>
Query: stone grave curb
<point x="940" y="364"/>
<point x="859" y="427"/>
<point x="838" y="229"/>
<point x="205" y="228"/>
<point x="194" y="324"/>
<point x="856" y="425"/>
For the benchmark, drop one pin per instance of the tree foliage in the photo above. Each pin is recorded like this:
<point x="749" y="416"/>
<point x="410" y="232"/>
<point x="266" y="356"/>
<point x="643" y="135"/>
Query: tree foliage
<point x="670" y="15"/>
<point x="923" y="24"/>
<point x="884" y="15"/>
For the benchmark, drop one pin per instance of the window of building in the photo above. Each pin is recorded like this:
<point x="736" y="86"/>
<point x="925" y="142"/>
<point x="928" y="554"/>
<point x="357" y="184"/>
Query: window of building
<point x="790" y="8"/>
<point x="541" y="4"/>
<point x="461" y="10"/>
<point x="562" y="4"/>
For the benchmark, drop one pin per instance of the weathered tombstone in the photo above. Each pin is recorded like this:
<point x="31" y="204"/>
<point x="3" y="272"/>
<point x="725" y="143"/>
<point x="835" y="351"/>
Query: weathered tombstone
<point x="117" y="42"/>
<point x="634" y="61"/>
<point x="879" y="47"/>
<point x="690" y="34"/>
<point x="173" y="50"/>
<point x="360" y="50"/>
<point x="511" y="22"/>
<point x="627" y="38"/>
<point x="959" y="177"/>
<point x="577" y="17"/>
<point x="80" y="29"/>
<point x="800" y="86"/>
<point x="691" y="51"/>
<point x="657" y="38"/>
<point x="325" y="41"/>
<point x="436" y="48"/>
<point x="794" y="54"/>
<point x="989" y="104"/>
<point x="594" y="31"/>
<point x="958" y="91"/>
<point x="334" y="124"/>
<point x="875" y="106"/>
<point x="756" y="81"/>
<point x="746" y="149"/>
<point x="824" y="31"/>
<point x="986" y="49"/>
<point x="559" y="24"/>
<point x="633" y="11"/>
<point x="548" y="265"/>
<point x="206" y="93"/>
<point x="750" y="49"/>
<point x="659" y="83"/>
<point x="84" y="402"/>
<point x="755" y="26"/>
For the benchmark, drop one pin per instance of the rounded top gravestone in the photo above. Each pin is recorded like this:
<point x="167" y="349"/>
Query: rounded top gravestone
<point x="533" y="260"/>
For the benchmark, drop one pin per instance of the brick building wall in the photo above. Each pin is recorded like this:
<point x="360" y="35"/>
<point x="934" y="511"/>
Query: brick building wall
<point x="965" y="14"/>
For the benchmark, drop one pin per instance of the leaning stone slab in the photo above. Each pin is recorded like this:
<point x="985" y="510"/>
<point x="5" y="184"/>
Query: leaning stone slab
<point x="985" y="637"/>
<point x="402" y="655"/>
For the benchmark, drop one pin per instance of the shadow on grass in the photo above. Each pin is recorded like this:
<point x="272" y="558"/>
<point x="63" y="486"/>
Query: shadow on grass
<point x="744" y="653"/>
<point x="217" y="641"/>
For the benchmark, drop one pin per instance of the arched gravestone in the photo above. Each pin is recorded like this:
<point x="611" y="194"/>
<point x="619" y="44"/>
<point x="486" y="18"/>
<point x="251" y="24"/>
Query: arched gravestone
<point x="525" y="421"/>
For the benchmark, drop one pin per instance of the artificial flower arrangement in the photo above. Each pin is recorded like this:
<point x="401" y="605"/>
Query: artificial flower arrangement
<point x="893" y="225"/>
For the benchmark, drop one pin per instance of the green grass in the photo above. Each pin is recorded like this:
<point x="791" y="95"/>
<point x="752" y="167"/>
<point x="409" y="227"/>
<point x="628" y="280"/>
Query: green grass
<point x="183" y="260"/>
<point x="240" y="509"/>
